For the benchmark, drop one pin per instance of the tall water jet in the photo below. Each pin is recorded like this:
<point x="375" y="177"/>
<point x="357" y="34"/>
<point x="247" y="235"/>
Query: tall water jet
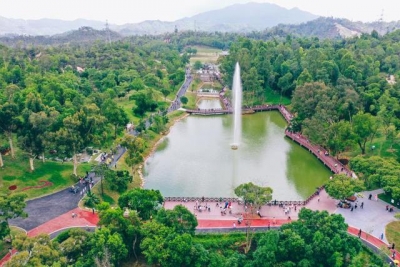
<point x="237" y="107"/>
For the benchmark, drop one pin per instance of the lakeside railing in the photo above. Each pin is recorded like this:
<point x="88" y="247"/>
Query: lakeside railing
<point x="233" y="199"/>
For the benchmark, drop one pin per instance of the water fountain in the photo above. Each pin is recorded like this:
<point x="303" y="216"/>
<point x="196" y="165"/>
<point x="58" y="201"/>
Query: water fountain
<point x="237" y="107"/>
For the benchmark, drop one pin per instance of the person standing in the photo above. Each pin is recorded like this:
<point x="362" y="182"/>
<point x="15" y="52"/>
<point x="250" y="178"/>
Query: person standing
<point x="362" y="205"/>
<point x="359" y="233"/>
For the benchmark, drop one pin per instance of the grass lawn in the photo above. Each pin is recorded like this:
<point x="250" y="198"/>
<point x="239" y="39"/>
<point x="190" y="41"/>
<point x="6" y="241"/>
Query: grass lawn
<point x="272" y="97"/>
<point x="127" y="106"/>
<point x="382" y="148"/>
<point x="393" y="232"/>
<point x="205" y="54"/>
<point x="16" y="172"/>
<point x="386" y="198"/>
<point x="208" y="85"/>
<point x="191" y="104"/>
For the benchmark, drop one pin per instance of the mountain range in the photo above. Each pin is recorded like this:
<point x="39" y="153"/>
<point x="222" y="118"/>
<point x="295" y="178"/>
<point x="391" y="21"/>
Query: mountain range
<point x="235" y="18"/>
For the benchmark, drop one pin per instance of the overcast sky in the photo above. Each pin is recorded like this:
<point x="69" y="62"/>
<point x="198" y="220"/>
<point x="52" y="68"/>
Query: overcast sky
<point x="125" y="11"/>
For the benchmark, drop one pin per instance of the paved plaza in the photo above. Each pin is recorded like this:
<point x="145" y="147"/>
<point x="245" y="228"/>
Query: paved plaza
<point x="372" y="218"/>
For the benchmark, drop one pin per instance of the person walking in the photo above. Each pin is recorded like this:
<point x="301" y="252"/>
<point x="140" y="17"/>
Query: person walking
<point x="359" y="233"/>
<point x="234" y="225"/>
<point x="258" y="213"/>
<point x="362" y="205"/>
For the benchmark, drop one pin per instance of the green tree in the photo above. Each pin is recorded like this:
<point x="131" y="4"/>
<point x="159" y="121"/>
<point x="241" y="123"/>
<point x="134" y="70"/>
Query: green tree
<point x="254" y="194"/>
<point x="73" y="243"/>
<point x="78" y="131"/>
<point x="135" y="148"/>
<point x="144" y="201"/>
<point x="144" y="102"/>
<point x="340" y="137"/>
<point x="165" y="91"/>
<point x="197" y="65"/>
<point x="37" y="251"/>
<point x="9" y="122"/>
<point x="91" y="200"/>
<point x="137" y="84"/>
<point x="315" y="239"/>
<point x="364" y="127"/>
<point x="127" y="223"/>
<point x="307" y="97"/>
<point x="11" y="207"/>
<point x="115" y="115"/>
<point x="101" y="170"/>
<point x="179" y="218"/>
<point x="106" y="248"/>
<point x="118" y="180"/>
<point x="342" y="186"/>
<point x="162" y="246"/>
<point x="159" y="123"/>
<point x="34" y="133"/>
<point x="184" y="100"/>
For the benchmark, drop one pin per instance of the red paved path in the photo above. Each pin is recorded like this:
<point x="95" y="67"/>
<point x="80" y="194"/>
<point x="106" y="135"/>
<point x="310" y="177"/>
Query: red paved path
<point x="83" y="218"/>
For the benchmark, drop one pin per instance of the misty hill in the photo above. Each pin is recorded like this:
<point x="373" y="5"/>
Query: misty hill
<point x="235" y="18"/>
<point x="44" y="26"/>
<point x="81" y="36"/>
<point x="332" y="28"/>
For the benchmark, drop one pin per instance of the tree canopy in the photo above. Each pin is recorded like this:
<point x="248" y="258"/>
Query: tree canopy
<point x="254" y="194"/>
<point x="341" y="186"/>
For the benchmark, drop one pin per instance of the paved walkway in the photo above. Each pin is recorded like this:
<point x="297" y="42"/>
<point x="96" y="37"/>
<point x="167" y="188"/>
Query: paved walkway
<point x="176" y="104"/>
<point x="267" y="212"/>
<point x="83" y="218"/>
<point x="372" y="218"/>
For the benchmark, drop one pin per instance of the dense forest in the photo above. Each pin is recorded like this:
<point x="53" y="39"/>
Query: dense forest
<point x="63" y="98"/>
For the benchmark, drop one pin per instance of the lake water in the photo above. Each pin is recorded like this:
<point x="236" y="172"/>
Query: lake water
<point x="195" y="158"/>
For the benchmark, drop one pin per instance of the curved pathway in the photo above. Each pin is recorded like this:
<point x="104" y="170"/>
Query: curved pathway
<point x="44" y="209"/>
<point x="176" y="104"/>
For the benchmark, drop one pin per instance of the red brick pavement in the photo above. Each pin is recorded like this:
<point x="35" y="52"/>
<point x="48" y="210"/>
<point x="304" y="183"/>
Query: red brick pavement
<point x="83" y="218"/>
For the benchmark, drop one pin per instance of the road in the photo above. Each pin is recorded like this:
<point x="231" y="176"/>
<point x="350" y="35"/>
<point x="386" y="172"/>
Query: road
<point x="176" y="104"/>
